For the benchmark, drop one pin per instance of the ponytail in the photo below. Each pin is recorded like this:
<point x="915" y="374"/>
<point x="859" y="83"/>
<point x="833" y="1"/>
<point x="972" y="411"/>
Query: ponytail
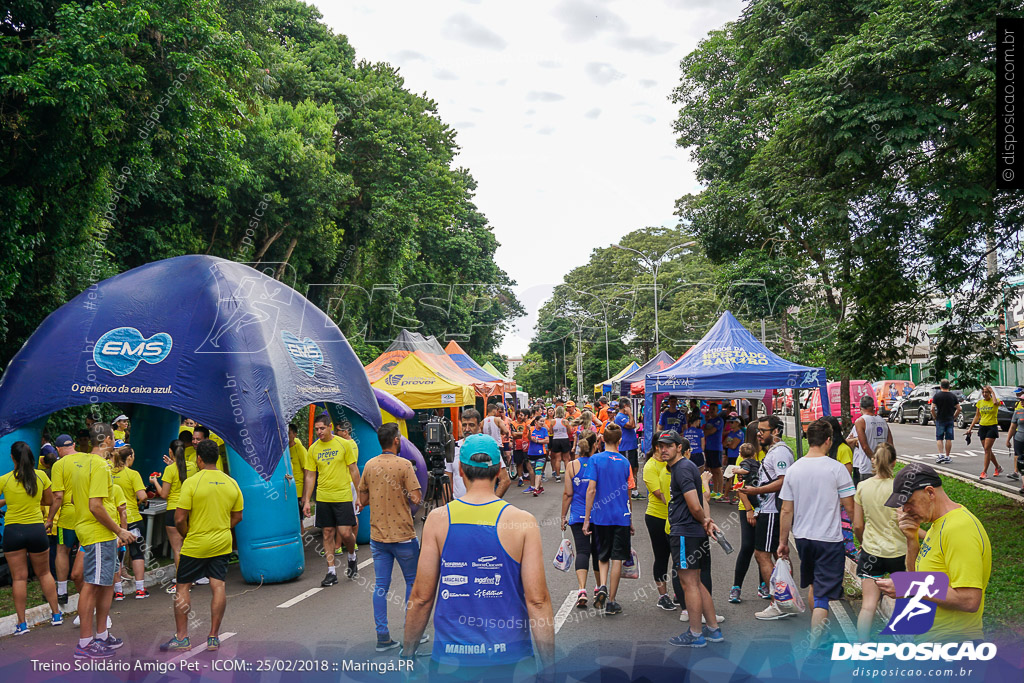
<point x="25" y="467"/>
<point x="178" y="449"/>
<point x="120" y="456"/>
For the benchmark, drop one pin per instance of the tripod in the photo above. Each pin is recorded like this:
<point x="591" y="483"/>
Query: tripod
<point x="439" y="491"/>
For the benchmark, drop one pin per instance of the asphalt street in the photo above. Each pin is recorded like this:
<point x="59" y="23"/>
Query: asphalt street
<point x="301" y="620"/>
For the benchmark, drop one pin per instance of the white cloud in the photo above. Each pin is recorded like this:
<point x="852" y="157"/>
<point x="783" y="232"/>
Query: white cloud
<point x="463" y="28"/>
<point x="583" y="20"/>
<point x="603" y="73"/>
<point x="535" y="96"/>
<point x="445" y="75"/>
<point x="549" y="64"/>
<point x="647" y="82"/>
<point x="593" y="113"/>
<point x="646" y="44"/>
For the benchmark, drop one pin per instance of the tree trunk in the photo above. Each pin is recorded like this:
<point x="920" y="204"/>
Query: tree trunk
<point x="266" y="245"/>
<point x="844" y="403"/>
<point x="287" y="255"/>
<point x="787" y="343"/>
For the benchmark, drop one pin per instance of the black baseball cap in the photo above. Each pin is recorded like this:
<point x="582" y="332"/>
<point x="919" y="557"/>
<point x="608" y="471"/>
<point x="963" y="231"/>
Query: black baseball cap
<point x="669" y="436"/>
<point x="913" y="477"/>
<point x="63" y="441"/>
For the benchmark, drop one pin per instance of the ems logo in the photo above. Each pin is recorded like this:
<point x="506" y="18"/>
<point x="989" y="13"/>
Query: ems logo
<point x="304" y="352"/>
<point x="912" y="614"/>
<point x="393" y="380"/>
<point x="120" y="350"/>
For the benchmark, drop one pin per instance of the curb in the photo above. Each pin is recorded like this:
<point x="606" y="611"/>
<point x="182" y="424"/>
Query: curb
<point x="41" y="613"/>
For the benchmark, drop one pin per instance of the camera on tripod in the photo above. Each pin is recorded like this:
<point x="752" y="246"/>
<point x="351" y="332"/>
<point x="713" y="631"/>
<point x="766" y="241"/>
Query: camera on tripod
<point x="438" y="442"/>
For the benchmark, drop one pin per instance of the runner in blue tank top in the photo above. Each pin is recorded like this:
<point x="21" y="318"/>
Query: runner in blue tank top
<point x="574" y="508"/>
<point x="485" y="556"/>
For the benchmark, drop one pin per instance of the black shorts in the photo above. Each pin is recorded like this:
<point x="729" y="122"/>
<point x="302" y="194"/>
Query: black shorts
<point x="632" y="455"/>
<point x="697" y="458"/>
<point x="137" y="550"/>
<point x="989" y="432"/>
<point x="561" y="445"/>
<point x="1018" y="452"/>
<point x="191" y="569"/>
<point x="518" y="457"/>
<point x="731" y="459"/>
<point x="692" y="552"/>
<point x="335" y="514"/>
<point x="766" y="532"/>
<point x="870" y="566"/>
<point x="822" y="563"/>
<point x="714" y="459"/>
<point x="612" y="542"/>
<point x="30" y="537"/>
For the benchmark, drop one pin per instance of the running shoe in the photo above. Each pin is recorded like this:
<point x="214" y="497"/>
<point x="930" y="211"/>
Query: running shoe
<point x="424" y="638"/>
<point x="602" y="595"/>
<point x="203" y="581"/>
<point x="353" y="569"/>
<point x="383" y="645"/>
<point x="688" y="639"/>
<point x="638" y="496"/>
<point x="520" y="482"/>
<point x="540" y="490"/>
<point x="112" y="642"/>
<point x="712" y="636"/>
<point x="685" y="616"/>
<point x="558" y="479"/>
<point x="943" y="460"/>
<point x="212" y="643"/>
<point x="998" y="472"/>
<point x="57" y="619"/>
<point x="1013" y="475"/>
<point x="982" y="476"/>
<point x="94" y="650"/>
<point x="118" y="596"/>
<point x="173" y="645"/>
<point x="21" y="629"/>
<point x="665" y="603"/>
<point x="536" y="494"/>
<point x="142" y="594"/>
<point x="612" y="608"/>
<point x="716" y="496"/>
<point x="771" y="613"/>
<point x="529" y="489"/>
<point x="581" y="599"/>
<point x="172" y="589"/>
<point x="329" y="580"/>
<point x="763" y="592"/>
<point x="734" y="595"/>
<point x="62" y="599"/>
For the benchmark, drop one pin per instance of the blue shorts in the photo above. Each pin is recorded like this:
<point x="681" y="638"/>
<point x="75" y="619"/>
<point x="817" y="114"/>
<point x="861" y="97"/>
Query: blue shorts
<point x="67" y="537"/>
<point x="714" y="459"/>
<point x="822" y="564"/>
<point x="697" y="458"/>
<point x="944" y="431"/>
<point x="100" y="562"/>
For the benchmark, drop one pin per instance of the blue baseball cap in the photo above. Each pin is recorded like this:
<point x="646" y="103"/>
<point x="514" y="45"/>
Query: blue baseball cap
<point x="1019" y="390"/>
<point x="479" y="443"/>
<point x="63" y="441"/>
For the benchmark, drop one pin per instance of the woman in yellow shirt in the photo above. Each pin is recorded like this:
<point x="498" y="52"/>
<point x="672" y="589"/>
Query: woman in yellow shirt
<point x="130" y="482"/>
<point x="987" y="412"/>
<point x="657" y="479"/>
<point x="23" y="490"/>
<point x="178" y="470"/>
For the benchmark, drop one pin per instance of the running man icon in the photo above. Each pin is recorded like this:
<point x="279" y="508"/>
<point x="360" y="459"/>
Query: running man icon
<point x="915" y="609"/>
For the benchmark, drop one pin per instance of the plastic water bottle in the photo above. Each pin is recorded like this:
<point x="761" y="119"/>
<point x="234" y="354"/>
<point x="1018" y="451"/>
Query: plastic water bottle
<point x="722" y="541"/>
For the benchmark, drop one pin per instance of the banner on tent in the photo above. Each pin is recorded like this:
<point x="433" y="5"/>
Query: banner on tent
<point x="732" y="355"/>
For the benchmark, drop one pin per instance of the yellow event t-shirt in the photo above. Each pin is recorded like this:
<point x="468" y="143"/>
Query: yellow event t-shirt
<point x="60" y="478"/>
<point x="210" y="496"/>
<point x="22" y="508"/>
<point x="90" y="478"/>
<point x="171" y="477"/>
<point x="332" y="459"/>
<point x="130" y="481"/>
<point x="654" y="472"/>
<point x="989" y="411"/>
<point x="882" y="535"/>
<point x="844" y="455"/>
<point x="957" y="545"/>
<point x="300" y="463"/>
<point x="118" y="435"/>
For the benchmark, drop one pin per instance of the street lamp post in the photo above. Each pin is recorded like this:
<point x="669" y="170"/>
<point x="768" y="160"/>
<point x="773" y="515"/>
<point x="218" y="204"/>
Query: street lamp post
<point x="655" y="265"/>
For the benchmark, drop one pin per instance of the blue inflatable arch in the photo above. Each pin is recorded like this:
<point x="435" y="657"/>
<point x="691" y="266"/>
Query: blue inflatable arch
<point x="207" y="338"/>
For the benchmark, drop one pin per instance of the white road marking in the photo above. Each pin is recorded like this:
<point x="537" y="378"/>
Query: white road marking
<point x="202" y="648"/>
<point x="565" y="609"/>
<point x="366" y="563"/>
<point x="844" y="620"/>
<point x="299" y="598"/>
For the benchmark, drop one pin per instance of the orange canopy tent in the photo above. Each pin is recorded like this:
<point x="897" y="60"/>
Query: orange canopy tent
<point x="431" y="353"/>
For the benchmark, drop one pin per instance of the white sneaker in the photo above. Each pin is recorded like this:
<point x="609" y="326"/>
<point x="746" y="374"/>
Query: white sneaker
<point x="204" y="581"/>
<point x="78" y="622"/>
<point x="684" y="616"/>
<point x="771" y="613"/>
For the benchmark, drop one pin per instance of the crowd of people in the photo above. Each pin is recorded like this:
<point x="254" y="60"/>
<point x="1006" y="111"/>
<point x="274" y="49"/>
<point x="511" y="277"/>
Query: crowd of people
<point x="486" y="588"/>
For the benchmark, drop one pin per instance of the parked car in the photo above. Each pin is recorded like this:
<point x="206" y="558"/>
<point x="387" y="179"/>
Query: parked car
<point x="918" y="406"/>
<point x="811" y="408"/>
<point x="888" y="392"/>
<point x="894" y="408"/>
<point x="1007" y="402"/>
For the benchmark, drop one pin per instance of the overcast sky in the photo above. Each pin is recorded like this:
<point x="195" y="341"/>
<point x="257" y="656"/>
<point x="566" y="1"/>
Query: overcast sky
<point x="561" y="109"/>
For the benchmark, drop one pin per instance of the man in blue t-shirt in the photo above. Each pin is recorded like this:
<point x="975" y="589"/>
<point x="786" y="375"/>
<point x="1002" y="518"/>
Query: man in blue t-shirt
<point x="608" y="516"/>
<point x="695" y="435"/>
<point x="733" y="438"/>
<point x="714" y="427"/>
<point x="628" y="446"/>
<point x="537" y="453"/>
<point x="673" y="418"/>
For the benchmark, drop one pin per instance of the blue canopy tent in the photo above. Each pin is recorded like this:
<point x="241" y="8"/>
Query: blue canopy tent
<point x="728" y="363"/>
<point x="207" y="338"/>
<point x="661" y="361"/>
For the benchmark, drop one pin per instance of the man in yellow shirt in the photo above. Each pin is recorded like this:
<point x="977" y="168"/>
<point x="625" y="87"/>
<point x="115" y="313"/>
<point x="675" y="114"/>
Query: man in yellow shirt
<point x="209" y="507"/>
<point x="98" y="531"/>
<point x="199" y="432"/>
<point x="334" y="460"/>
<point x="62" y="513"/>
<point x="956" y="545"/>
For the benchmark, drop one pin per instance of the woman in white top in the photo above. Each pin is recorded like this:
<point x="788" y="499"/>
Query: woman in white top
<point x="561" y="443"/>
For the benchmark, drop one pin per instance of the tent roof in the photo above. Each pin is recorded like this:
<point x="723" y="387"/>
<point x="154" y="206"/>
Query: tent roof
<point x="473" y="369"/>
<point x="198" y="335"/>
<point x="433" y="355"/>
<point x="661" y="361"/>
<point x="599" y="388"/>
<point x="730" y="358"/>
<point x="419" y="385"/>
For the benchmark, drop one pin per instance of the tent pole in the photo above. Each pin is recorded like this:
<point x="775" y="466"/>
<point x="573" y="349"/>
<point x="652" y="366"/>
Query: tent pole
<point x="799" y="430"/>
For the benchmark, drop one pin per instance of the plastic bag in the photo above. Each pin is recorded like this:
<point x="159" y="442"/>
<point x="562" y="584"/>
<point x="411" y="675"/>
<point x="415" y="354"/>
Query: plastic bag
<point x="565" y="558"/>
<point x="631" y="567"/>
<point x="784" y="588"/>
